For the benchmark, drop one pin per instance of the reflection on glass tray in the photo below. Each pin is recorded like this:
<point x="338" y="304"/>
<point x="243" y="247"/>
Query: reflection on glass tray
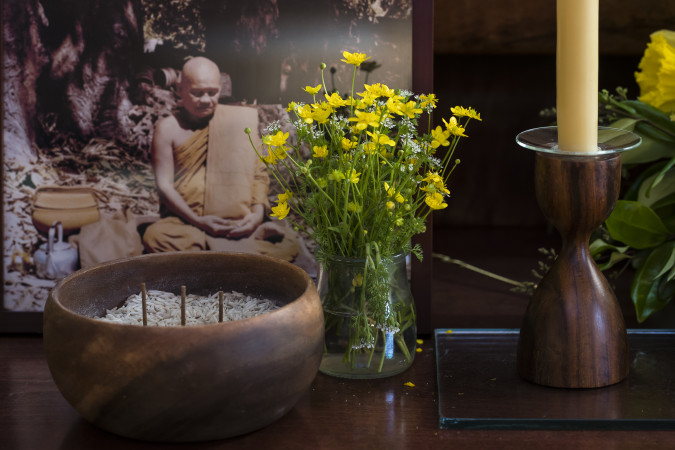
<point x="479" y="387"/>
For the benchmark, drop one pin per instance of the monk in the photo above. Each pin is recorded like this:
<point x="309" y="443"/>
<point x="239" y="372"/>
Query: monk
<point x="212" y="186"/>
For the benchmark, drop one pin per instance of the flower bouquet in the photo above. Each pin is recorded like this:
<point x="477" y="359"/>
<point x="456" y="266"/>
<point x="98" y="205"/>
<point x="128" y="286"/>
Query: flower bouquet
<point x="370" y="182"/>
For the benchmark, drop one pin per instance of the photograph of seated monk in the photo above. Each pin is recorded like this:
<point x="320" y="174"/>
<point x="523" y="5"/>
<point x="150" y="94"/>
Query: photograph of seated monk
<point x="213" y="188"/>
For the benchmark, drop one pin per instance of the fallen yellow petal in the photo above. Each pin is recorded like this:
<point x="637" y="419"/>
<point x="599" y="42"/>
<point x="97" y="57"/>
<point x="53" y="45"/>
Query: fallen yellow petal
<point x="420" y="341"/>
<point x="409" y="384"/>
<point x="448" y="331"/>
<point x="418" y="350"/>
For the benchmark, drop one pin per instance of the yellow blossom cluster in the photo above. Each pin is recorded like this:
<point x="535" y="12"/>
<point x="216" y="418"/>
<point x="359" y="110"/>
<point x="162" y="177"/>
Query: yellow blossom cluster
<point x="657" y="76"/>
<point x="369" y="167"/>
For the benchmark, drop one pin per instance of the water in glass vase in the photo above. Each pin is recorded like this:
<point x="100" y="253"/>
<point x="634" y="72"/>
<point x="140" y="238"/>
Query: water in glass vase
<point x="370" y="317"/>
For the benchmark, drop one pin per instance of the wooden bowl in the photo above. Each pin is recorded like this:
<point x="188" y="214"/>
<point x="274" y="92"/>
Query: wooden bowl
<point x="192" y="383"/>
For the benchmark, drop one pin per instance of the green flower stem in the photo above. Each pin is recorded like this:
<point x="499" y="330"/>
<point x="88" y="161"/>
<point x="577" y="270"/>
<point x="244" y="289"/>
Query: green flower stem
<point x="468" y="266"/>
<point x="401" y="344"/>
<point x="372" y="352"/>
<point x="384" y="338"/>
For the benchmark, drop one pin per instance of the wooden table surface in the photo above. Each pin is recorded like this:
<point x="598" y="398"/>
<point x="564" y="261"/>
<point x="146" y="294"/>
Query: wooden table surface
<point x="335" y="413"/>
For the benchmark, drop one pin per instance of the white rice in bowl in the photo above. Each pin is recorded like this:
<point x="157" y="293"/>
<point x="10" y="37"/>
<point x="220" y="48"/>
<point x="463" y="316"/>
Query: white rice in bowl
<point x="163" y="309"/>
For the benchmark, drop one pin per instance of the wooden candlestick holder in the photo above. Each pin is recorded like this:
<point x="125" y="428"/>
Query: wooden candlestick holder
<point x="573" y="334"/>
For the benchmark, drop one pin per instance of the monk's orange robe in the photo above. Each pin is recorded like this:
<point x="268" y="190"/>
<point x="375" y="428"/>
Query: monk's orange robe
<point x="218" y="173"/>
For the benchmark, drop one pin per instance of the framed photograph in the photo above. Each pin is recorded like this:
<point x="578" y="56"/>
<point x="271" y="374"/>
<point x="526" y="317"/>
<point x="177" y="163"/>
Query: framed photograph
<point x="85" y="83"/>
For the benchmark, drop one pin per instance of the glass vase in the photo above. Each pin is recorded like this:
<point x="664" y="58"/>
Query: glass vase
<point x="370" y="317"/>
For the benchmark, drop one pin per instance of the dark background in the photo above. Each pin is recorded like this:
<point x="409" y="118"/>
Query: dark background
<point x="500" y="59"/>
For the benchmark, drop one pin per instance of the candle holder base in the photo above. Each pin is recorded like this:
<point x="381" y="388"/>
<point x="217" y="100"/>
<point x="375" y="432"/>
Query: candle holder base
<point x="573" y="334"/>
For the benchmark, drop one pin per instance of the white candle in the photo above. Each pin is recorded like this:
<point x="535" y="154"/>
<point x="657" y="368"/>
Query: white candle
<point x="577" y="75"/>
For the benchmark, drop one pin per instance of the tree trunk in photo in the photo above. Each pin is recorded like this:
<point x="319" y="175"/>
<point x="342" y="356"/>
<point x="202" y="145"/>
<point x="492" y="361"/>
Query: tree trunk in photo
<point x="24" y="59"/>
<point x="68" y="63"/>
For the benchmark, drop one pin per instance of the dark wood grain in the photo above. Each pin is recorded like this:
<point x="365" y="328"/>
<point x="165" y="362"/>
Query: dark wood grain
<point x="573" y="334"/>
<point x="332" y="414"/>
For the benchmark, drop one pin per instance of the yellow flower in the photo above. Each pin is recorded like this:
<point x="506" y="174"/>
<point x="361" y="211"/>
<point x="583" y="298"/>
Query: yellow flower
<point x="657" y="76"/>
<point x="335" y="100"/>
<point x="461" y="111"/>
<point x="277" y="140"/>
<point x="354" y="176"/>
<point x="429" y="100"/>
<point x="354" y="207"/>
<point x="357" y="280"/>
<point x="313" y="90"/>
<point x="281" y="152"/>
<point x="348" y="144"/>
<point x="439" y="137"/>
<point x="305" y="113"/>
<point x="381" y="139"/>
<point x="321" y="112"/>
<point x="390" y="205"/>
<point x="454" y="128"/>
<point x="369" y="148"/>
<point x="336" y="175"/>
<point x="435" y="201"/>
<point x="320" y="151"/>
<point x="368" y="99"/>
<point x="354" y="58"/>
<point x="282" y="198"/>
<point x="280" y="211"/>
<point x="436" y="183"/>
<point x="409" y="109"/>
<point x="364" y="120"/>
<point x="271" y="157"/>
<point x="433" y="178"/>
<point x="394" y="105"/>
<point x="391" y="192"/>
<point x="379" y="90"/>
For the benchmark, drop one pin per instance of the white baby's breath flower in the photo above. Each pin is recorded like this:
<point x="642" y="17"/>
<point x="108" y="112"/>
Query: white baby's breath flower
<point x="273" y="127"/>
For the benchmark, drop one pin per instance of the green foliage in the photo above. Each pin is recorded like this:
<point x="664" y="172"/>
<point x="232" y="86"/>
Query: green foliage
<point x="644" y="219"/>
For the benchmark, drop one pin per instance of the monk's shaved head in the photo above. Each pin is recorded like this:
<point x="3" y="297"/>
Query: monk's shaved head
<point x="199" y="87"/>
<point x="199" y="67"/>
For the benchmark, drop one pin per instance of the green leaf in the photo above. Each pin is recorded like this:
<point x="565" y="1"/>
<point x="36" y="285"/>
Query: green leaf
<point x="648" y="151"/>
<point x="653" y="115"/>
<point x="665" y="201"/>
<point x="632" y="192"/>
<point x="624" y="124"/>
<point x="658" y="187"/>
<point x="614" y="258"/>
<point x="649" y="292"/>
<point x="669" y="264"/>
<point x="599" y="246"/>
<point x="618" y="254"/>
<point x="671" y="275"/>
<point x="636" y="225"/>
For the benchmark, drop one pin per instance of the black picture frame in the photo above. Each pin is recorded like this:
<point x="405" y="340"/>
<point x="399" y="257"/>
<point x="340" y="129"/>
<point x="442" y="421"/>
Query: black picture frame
<point x="13" y="322"/>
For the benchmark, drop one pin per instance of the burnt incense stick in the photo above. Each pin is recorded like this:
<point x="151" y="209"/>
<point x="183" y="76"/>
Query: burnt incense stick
<point x="220" y="306"/>
<point x="144" y="295"/>
<point x="182" y="305"/>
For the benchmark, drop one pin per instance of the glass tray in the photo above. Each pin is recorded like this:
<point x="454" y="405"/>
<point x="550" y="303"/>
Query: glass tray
<point x="479" y="387"/>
